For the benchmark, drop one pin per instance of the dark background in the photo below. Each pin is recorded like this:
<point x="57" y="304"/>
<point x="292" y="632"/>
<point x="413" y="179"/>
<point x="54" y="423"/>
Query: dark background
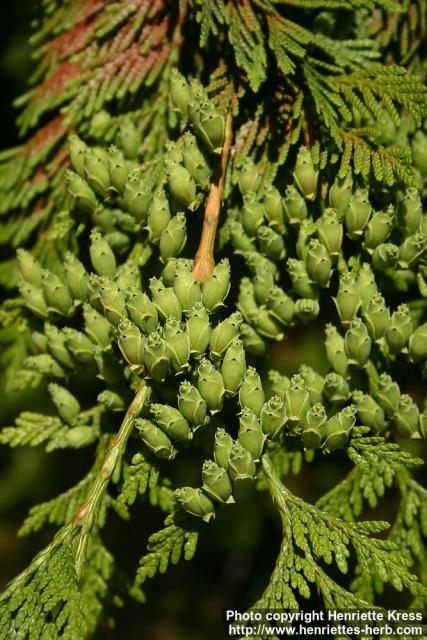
<point x="236" y="553"/>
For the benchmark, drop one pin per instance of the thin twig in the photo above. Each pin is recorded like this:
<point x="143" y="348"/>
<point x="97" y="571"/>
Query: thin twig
<point x="204" y="262"/>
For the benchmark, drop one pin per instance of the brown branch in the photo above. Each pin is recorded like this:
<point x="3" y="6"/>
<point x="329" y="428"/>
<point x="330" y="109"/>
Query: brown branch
<point x="204" y="262"/>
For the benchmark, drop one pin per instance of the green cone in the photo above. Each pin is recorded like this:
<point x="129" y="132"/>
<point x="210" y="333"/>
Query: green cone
<point x="216" y="482"/>
<point x="252" y="341"/>
<point x="407" y="416"/>
<point x="295" y="206"/>
<point x="180" y="92"/>
<point x="173" y="238"/>
<point x="210" y="385"/>
<point x="418" y="343"/>
<point x="253" y="215"/>
<point x="306" y="310"/>
<point x="76" y="277"/>
<point x="335" y="350"/>
<point x="376" y="316"/>
<point x="216" y="288"/>
<point x="142" y="311"/>
<point x="378" y="229"/>
<point x="222" y="448"/>
<point x="357" y="342"/>
<point x="270" y="243"/>
<point x="340" y="194"/>
<point x="241" y="465"/>
<point x="196" y="502"/>
<point x="79" y="345"/>
<point x="318" y="262"/>
<point x="159" y="216"/>
<point x="297" y="401"/>
<point x="265" y="324"/>
<point x="155" y="439"/>
<point x="251" y="436"/>
<point x="239" y="239"/>
<point x="198" y="329"/>
<point x="83" y="196"/>
<point x="385" y="256"/>
<point x="77" y="150"/>
<point x="102" y="257"/>
<point x="273" y="207"/>
<point x="313" y="381"/>
<point x="280" y="305"/>
<point x="156" y="357"/>
<point x="262" y="283"/>
<point x="330" y="231"/>
<point x="301" y="281"/>
<point x="39" y="341"/>
<point x="399" y="329"/>
<point x="314" y="429"/>
<point x="412" y="250"/>
<point x="251" y="393"/>
<point x="223" y="334"/>
<point x="97" y="172"/>
<point x="387" y="394"/>
<point x="336" y="389"/>
<point x="33" y="299"/>
<point x="118" y="168"/>
<point x="56" y="294"/>
<point x="369" y="412"/>
<point x="129" y="139"/>
<point x="57" y="346"/>
<point x="279" y="383"/>
<point x="246" y="302"/>
<point x="233" y="367"/>
<point x="273" y="416"/>
<point x="366" y="285"/>
<point x="409" y="212"/>
<point x="249" y="178"/>
<point x="29" y="268"/>
<point x="131" y="344"/>
<point x="305" y="175"/>
<point x="195" y="161"/>
<point x="171" y="421"/>
<point x="45" y="364"/>
<point x="137" y="196"/>
<point x="187" y="290"/>
<point x="339" y="428"/>
<point x="165" y="300"/>
<point x="78" y="437"/>
<point x="113" y="302"/>
<point x="357" y="213"/>
<point x="178" y="344"/>
<point x="347" y="300"/>
<point x="66" y="404"/>
<point x="181" y="184"/>
<point x="191" y="405"/>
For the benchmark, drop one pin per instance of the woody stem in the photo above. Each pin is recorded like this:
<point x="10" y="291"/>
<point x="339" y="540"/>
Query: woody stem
<point x="204" y="262"/>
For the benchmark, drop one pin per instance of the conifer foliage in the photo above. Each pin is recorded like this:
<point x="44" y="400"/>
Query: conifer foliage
<point x="173" y="212"/>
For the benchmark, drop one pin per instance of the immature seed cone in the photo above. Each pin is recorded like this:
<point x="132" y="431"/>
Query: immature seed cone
<point x="155" y="439"/>
<point x="210" y="385"/>
<point x="96" y="171"/>
<point x="252" y="216"/>
<point x="357" y="342"/>
<point x="187" y="289"/>
<point x="79" y="345"/>
<point x="77" y="150"/>
<point x="159" y="216"/>
<point x="76" y="277"/>
<point x="339" y="428"/>
<point x="102" y="257"/>
<point x="376" y="316"/>
<point x="239" y="239"/>
<point x="407" y="416"/>
<point x="357" y="213"/>
<point x="29" y="268"/>
<point x="262" y="283"/>
<point x="279" y="383"/>
<point x="270" y="243"/>
<point x="165" y="300"/>
<point x="335" y="350"/>
<point x="179" y="93"/>
<point x="366" y="285"/>
<point x="142" y="311"/>
<point x="83" y="196"/>
<point x="156" y="357"/>
<point x="66" y="404"/>
<point x="399" y="329"/>
<point x="302" y="284"/>
<point x="297" y="401"/>
<point x="181" y="184"/>
<point x="223" y="335"/>
<point x="112" y="400"/>
<point x="246" y="302"/>
<point x="251" y="436"/>
<point x="314" y="382"/>
<point x="191" y="405"/>
<point x="241" y="465"/>
<point x="78" y="437"/>
<point x="347" y="300"/>
<point x="249" y="178"/>
<point x="169" y="271"/>
<point x="56" y="294"/>
<point x="171" y="421"/>
<point x="216" y="482"/>
<point x="39" y="341"/>
<point x="314" y="428"/>
<point x="137" y="196"/>
<point x="336" y="389"/>
<point x="369" y="412"/>
<point x="131" y="343"/>
<point x="233" y="367"/>
<point x="418" y="344"/>
<point x="198" y="330"/>
<point x="378" y="229"/>
<point x="306" y="309"/>
<point x="252" y="341"/>
<point x="305" y="175"/>
<point x="216" y="288"/>
<point x="33" y="299"/>
<point x="46" y="365"/>
<point x="222" y="447"/>
<point x="178" y="344"/>
<point x="340" y="194"/>
<point x="409" y="212"/>
<point x="318" y="262"/>
<point x="251" y="393"/>
<point x="295" y="206"/>
<point x="412" y="250"/>
<point x="173" y="238"/>
<point x="207" y="121"/>
<point x="129" y="139"/>
<point x="280" y="305"/>
<point x="387" y="394"/>
<point x="273" y="207"/>
<point x="273" y="416"/>
<point x="113" y="302"/>
<point x="118" y="168"/>
<point x="196" y="502"/>
<point x="56" y="345"/>
<point x="330" y="231"/>
<point x="195" y="161"/>
<point x="385" y="256"/>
